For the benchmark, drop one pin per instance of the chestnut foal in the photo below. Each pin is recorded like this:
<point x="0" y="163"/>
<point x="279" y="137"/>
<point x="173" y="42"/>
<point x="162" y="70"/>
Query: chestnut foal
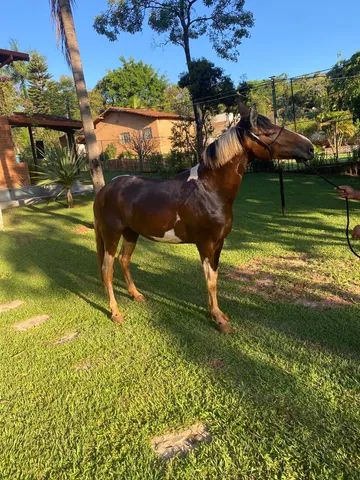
<point x="193" y="207"/>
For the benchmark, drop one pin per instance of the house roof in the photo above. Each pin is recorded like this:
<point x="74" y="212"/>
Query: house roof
<point x="9" y="56"/>
<point x="145" y="112"/>
<point x="20" y="119"/>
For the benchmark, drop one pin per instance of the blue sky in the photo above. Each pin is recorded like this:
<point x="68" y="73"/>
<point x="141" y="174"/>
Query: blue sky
<point x="289" y="36"/>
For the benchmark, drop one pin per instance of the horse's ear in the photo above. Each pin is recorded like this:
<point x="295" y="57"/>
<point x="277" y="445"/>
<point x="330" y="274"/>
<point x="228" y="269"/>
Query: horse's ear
<point x="253" y="117"/>
<point x="243" y="109"/>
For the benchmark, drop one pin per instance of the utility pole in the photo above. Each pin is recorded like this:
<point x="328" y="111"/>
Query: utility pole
<point x="273" y="87"/>
<point x="280" y="169"/>
<point x="336" y="140"/>
<point x="293" y="103"/>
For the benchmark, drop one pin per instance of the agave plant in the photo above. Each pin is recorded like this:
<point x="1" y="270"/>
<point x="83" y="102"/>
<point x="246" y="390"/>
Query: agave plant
<point x="62" y="167"/>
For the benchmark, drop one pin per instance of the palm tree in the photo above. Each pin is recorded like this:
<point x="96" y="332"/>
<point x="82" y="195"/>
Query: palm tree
<point x="62" y="15"/>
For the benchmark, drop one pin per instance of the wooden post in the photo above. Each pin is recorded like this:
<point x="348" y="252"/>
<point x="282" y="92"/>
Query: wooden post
<point x="33" y="149"/>
<point x="282" y="190"/>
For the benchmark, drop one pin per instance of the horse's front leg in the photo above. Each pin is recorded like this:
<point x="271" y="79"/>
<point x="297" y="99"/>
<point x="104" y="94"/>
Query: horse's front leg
<point x="210" y="254"/>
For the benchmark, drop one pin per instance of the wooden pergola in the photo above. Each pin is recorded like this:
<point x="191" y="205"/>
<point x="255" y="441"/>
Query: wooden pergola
<point x="52" y="122"/>
<point x="9" y="56"/>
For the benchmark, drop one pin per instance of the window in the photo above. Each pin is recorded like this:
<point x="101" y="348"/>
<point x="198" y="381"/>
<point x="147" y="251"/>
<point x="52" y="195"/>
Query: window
<point x="147" y="133"/>
<point x="125" y="137"/>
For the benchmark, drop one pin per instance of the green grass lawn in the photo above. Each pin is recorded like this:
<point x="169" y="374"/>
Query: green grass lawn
<point x="280" y="397"/>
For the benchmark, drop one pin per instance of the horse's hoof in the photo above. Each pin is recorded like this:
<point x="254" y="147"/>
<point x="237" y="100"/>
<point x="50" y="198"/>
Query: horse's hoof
<point x="226" y="328"/>
<point x="139" y="298"/>
<point x="117" y="318"/>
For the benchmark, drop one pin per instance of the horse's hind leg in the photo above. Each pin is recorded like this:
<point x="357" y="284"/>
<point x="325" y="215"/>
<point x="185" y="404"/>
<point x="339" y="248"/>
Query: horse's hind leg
<point x="111" y="244"/>
<point x="128" y="246"/>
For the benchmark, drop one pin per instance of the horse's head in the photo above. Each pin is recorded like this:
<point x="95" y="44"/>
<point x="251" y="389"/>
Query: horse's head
<point x="265" y="140"/>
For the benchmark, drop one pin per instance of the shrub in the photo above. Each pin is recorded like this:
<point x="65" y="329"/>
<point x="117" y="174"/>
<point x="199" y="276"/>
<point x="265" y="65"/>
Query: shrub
<point x="62" y="167"/>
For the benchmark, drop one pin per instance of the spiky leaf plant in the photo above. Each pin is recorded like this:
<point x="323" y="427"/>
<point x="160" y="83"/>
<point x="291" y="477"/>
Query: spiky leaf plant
<point x="60" y="166"/>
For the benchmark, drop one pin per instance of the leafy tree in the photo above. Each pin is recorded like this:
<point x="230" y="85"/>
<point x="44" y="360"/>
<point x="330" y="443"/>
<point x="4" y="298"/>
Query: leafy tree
<point x="97" y="104"/>
<point x="183" y="138"/>
<point x="134" y="84"/>
<point x="18" y="71"/>
<point x="224" y="22"/>
<point x="208" y="82"/>
<point x="338" y="128"/>
<point x="38" y="78"/>
<point x="62" y="14"/>
<point x="63" y="100"/>
<point x="345" y="84"/>
<point x="178" y="100"/>
<point x="9" y="97"/>
<point x="142" y="145"/>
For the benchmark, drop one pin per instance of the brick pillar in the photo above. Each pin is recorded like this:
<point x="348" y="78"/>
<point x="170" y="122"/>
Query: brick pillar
<point x="12" y="174"/>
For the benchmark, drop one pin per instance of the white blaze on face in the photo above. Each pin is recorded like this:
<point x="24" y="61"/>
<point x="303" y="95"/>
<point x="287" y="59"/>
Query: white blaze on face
<point x="194" y="173"/>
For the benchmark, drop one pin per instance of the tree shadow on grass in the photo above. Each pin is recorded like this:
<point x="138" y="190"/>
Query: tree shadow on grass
<point x="280" y="410"/>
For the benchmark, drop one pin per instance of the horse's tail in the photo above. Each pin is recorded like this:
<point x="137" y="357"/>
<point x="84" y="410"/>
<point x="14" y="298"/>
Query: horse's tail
<point x="100" y="249"/>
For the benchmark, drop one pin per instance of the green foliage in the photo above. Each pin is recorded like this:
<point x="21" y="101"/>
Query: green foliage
<point x="60" y="167"/>
<point x="9" y="97"/>
<point x="63" y="99"/>
<point x="178" y="100"/>
<point x="346" y="91"/>
<point x="183" y="137"/>
<point x="97" y="104"/>
<point x="39" y="84"/>
<point x="205" y="80"/>
<point x="134" y="84"/>
<point x="224" y="22"/>
<point x="108" y="154"/>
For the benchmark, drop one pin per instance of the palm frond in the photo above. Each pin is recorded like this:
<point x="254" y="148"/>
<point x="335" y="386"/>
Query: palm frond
<point x="55" y="6"/>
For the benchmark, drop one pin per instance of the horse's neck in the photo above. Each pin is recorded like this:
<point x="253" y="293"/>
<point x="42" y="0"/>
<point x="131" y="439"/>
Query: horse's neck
<point x="226" y="180"/>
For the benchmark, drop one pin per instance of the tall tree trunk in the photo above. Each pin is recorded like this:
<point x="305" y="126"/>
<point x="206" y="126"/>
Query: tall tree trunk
<point x="81" y="91"/>
<point x="196" y="107"/>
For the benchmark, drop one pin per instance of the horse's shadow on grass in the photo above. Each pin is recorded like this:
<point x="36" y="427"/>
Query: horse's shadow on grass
<point x="72" y="266"/>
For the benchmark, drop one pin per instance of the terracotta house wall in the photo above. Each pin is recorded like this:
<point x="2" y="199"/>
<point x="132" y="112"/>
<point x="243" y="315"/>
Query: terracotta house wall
<point x="12" y="174"/>
<point x="115" y="123"/>
<point x="164" y="128"/>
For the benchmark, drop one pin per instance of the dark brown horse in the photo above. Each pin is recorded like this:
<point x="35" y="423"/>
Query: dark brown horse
<point x="193" y="207"/>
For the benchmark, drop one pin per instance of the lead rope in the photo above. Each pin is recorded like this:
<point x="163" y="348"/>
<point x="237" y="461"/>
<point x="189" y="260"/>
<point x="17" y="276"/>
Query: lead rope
<point x="347" y="230"/>
<point x="267" y="146"/>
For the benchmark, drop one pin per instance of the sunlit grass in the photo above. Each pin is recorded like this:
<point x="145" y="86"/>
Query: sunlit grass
<point x="280" y="397"/>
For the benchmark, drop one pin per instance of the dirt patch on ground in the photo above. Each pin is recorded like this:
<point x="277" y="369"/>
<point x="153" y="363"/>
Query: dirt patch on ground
<point x="30" y="323"/>
<point x="180" y="443"/>
<point x="5" y="307"/>
<point x="66" y="338"/>
<point x="81" y="230"/>
<point x="294" y="279"/>
<point x="84" y="365"/>
<point x="216" y="363"/>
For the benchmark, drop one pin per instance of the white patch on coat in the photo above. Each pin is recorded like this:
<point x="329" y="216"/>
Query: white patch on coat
<point x="194" y="173"/>
<point x="169" y="237"/>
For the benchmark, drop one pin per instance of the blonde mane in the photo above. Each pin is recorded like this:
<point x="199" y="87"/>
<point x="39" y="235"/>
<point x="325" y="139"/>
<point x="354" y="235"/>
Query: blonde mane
<point x="222" y="150"/>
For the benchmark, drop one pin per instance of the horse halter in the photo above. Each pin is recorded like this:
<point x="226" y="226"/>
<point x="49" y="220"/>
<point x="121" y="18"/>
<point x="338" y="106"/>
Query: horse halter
<point x="267" y="146"/>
